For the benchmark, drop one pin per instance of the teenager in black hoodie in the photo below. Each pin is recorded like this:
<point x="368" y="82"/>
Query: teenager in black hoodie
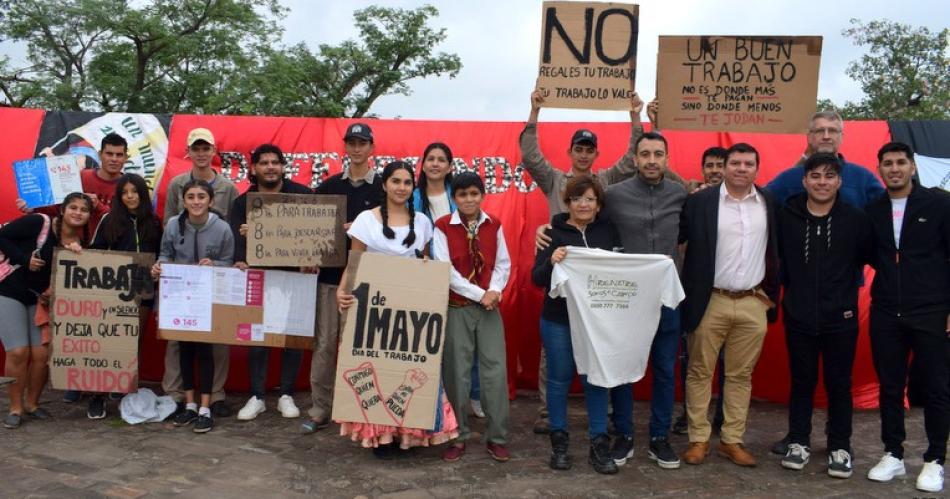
<point x="823" y="245"/>
<point x="581" y="226"/>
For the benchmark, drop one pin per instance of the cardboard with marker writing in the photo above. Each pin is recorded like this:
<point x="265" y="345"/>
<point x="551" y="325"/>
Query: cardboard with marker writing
<point x="390" y="358"/>
<point x="225" y="305"/>
<point x="588" y="54"/>
<point x="737" y="83"/>
<point x="94" y="319"/>
<point x="295" y="230"/>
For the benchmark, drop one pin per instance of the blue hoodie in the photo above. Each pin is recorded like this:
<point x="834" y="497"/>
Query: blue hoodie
<point x="858" y="185"/>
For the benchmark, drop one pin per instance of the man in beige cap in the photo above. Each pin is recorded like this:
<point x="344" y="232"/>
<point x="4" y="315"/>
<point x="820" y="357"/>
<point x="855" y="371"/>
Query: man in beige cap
<point x="201" y="151"/>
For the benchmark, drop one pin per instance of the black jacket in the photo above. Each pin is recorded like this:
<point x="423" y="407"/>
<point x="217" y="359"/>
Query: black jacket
<point x="129" y="240"/>
<point x="821" y="260"/>
<point x="17" y="242"/>
<point x="366" y="196"/>
<point x="598" y="234"/>
<point x="237" y="216"/>
<point x="916" y="279"/>
<point x="699" y="225"/>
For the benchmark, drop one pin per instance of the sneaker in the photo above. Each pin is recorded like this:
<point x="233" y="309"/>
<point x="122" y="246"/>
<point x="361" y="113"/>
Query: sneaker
<point x="887" y="468"/>
<point x="71" y="396"/>
<point x="313" y="425"/>
<point x="203" y="424"/>
<point x="287" y="407"/>
<point x="39" y="414"/>
<point x="251" y="409"/>
<point x="781" y="447"/>
<point x="12" y="421"/>
<point x="930" y="478"/>
<point x="97" y="407"/>
<point x="498" y="452"/>
<point x="797" y="457"/>
<point x="681" y="426"/>
<point x="453" y="453"/>
<point x="599" y="455"/>
<point x="185" y="417"/>
<point x="661" y="452"/>
<point x="220" y="409"/>
<point x="477" y="408"/>
<point x="839" y="464"/>
<point x="116" y="396"/>
<point x="622" y="449"/>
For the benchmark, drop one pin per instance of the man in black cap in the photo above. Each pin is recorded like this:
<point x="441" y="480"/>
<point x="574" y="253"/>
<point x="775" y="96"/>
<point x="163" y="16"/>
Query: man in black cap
<point x="363" y="190"/>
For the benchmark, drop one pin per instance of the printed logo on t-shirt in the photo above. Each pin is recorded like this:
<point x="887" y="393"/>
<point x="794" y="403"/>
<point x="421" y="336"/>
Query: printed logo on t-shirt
<point x="608" y="292"/>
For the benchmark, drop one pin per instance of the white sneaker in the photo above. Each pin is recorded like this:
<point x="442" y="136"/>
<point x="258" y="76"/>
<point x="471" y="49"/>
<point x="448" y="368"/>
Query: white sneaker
<point x="887" y="468"/>
<point x="796" y="457"/>
<point x="251" y="409"/>
<point x="930" y="478"/>
<point x="287" y="408"/>
<point x="477" y="408"/>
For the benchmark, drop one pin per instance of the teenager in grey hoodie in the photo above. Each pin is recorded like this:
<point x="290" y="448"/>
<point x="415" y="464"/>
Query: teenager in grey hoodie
<point x="196" y="236"/>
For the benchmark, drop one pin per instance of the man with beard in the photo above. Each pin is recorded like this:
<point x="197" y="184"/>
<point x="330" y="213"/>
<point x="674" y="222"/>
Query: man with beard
<point x="910" y="310"/>
<point x="267" y="176"/>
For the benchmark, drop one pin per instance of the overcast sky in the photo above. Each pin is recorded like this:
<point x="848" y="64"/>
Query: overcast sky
<point x="498" y="42"/>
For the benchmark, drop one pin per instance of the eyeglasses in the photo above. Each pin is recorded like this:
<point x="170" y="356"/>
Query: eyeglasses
<point x="827" y="130"/>
<point x="583" y="199"/>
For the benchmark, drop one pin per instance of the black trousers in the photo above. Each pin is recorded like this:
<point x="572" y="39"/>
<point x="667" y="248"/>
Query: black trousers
<point x="837" y="359"/>
<point x="188" y="351"/>
<point x="893" y="338"/>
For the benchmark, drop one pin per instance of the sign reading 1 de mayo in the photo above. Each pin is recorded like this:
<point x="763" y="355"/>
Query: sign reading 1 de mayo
<point x="588" y="54"/>
<point x="295" y="230"/>
<point x="737" y="83"/>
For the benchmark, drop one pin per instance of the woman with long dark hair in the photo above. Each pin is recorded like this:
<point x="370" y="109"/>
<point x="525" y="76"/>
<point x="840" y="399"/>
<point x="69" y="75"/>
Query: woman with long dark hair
<point x="27" y="244"/>
<point x="130" y="225"/>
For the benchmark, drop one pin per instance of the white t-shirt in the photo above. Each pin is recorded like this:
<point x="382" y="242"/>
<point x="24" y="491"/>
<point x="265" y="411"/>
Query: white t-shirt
<point x="897" y="210"/>
<point x="613" y="301"/>
<point x="439" y="206"/>
<point x="369" y="230"/>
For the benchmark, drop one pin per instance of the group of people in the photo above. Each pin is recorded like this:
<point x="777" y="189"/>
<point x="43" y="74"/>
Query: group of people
<point x="809" y="232"/>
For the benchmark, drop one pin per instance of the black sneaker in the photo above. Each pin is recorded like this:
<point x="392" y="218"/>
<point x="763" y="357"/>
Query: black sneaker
<point x="560" y="459"/>
<point x="185" y="418"/>
<point x="622" y="449"/>
<point x="97" y="407"/>
<point x="781" y="447"/>
<point x="839" y="464"/>
<point x="116" y="396"/>
<point x="661" y="452"/>
<point x="681" y="426"/>
<point x="71" y="396"/>
<point x="797" y="457"/>
<point x="203" y="424"/>
<point x="599" y="455"/>
<point x="221" y="410"/>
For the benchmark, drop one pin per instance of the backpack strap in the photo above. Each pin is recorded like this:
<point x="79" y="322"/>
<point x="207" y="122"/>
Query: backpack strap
<point x="44" y="232"/>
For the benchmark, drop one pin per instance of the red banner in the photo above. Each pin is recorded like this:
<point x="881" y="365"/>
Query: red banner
<point x="491" y="149"/>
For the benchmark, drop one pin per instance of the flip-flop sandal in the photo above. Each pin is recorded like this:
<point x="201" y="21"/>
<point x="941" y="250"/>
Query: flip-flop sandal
<point x="12" y="421"/>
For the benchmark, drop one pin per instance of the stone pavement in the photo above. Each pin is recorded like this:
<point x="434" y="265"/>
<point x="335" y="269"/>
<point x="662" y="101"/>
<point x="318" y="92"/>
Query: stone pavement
<point x="78" y="458"/>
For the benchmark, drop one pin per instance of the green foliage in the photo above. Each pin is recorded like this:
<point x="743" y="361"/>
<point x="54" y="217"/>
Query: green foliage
<point x="209" y="56"/>
<point x="904" y="75"/>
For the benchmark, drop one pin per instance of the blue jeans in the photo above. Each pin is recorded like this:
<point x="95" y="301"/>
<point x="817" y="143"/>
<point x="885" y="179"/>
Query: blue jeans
<point x="556" y="338"/>
<point x="663" y="361"/>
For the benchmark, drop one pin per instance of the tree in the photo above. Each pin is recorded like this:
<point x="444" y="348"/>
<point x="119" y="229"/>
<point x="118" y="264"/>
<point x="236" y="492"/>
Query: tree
<point x="209" y="56"/>
<point x="904" y="75"/>
<point x="396" y="46"/>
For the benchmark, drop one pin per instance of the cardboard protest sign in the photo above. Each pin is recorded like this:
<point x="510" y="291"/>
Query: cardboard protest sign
<point x="46" y="181"/>
<point x="94" y="319"/>
<point x="231" y="306"/>
<point x="737" y="83"/>
<point x="588" y="54"/>
<point x="296" y="230"/>
<point x="390" y="358"/>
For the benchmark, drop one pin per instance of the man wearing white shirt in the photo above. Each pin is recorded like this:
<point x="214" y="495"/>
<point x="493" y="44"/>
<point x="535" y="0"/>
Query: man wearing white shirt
<point x="475" y="245"/>
<point x="731" y="284"/>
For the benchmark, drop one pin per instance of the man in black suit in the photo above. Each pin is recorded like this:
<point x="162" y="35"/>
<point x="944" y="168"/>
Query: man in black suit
<point x="731" y="283"/>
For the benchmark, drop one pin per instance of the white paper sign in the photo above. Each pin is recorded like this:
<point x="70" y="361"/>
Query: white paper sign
<point x="290" y="303"/>
<point x="184" y="303"/>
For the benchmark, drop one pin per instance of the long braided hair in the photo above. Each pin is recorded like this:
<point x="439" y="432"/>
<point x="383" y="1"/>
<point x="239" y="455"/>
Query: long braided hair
<point x="384" y="209"/>
<point x="424" y="180"/>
